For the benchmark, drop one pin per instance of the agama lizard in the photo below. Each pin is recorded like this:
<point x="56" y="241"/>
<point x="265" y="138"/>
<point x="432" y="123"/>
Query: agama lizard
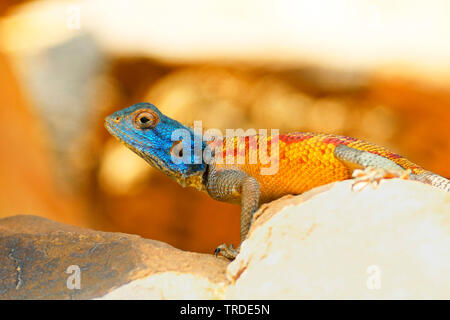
<point x="304" y="160"/>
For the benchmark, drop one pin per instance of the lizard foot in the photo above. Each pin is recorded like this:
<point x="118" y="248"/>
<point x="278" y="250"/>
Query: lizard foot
<point x="373" y="176"/>
<point x="227" y="251"/>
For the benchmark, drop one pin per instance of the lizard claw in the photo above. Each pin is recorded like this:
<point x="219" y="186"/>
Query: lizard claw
<point x="373" y="176"/>
<point x="228" y="252"/>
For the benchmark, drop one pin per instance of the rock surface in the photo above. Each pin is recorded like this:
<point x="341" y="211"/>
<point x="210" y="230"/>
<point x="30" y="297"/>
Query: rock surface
<point x="331" y="243"/>
<point x="36" y="252"/>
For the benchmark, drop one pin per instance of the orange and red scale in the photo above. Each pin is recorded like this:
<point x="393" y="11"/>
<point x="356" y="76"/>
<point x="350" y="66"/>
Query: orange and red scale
<point x="305" y="160"/>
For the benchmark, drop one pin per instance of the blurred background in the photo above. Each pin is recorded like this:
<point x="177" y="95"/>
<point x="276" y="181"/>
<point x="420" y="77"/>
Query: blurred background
<point x="377" y="70"/>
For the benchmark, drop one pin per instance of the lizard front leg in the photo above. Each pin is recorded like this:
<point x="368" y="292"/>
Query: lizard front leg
<point x="232" y="185"/>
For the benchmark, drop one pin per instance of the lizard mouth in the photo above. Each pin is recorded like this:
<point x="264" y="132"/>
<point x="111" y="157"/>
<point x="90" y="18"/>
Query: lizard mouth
<point x="132" y="143"/>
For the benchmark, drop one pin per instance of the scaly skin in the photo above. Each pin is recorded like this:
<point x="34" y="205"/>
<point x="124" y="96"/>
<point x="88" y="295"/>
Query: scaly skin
<point x="304" y="161"/>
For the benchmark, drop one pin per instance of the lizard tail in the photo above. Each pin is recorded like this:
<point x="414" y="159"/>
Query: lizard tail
<point x="433" y="179"/>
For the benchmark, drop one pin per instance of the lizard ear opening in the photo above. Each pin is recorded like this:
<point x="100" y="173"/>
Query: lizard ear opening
<point x="177" y="149"/>
<point x="145" y="119"/>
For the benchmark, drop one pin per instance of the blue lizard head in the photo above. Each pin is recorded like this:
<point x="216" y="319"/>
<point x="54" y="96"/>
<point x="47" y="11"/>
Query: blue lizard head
<point x="163" y="142"/>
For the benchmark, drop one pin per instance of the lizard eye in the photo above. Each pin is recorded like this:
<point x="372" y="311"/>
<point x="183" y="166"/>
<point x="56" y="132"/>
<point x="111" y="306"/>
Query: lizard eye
<point x="146" y="119"/>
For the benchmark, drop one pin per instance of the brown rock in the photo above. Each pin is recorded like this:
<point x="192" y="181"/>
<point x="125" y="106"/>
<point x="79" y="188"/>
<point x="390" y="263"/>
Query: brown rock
<point x="392" y="242"/>
<point x="36" y="253"/>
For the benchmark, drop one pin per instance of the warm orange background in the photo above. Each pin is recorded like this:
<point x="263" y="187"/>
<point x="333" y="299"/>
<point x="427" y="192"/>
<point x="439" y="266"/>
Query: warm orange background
<point x="98" y="183"/>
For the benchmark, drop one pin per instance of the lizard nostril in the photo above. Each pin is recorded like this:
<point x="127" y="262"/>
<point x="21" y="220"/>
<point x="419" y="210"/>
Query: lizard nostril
<point x="116" y="119"/>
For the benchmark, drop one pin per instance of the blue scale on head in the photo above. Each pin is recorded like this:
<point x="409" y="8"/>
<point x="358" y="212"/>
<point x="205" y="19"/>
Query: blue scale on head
<point x="149" y="133"/>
